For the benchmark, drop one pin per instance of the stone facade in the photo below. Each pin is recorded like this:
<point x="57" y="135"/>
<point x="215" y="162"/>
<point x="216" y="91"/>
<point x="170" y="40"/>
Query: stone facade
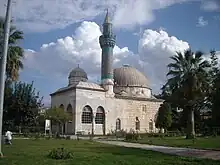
<point x="127" y="109"/>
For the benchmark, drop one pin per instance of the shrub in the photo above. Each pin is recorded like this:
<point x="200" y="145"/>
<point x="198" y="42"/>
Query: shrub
<point x="155" y="134"/>
<point x="37" y="136"/>
<point x="120" y="134"/>
<point x="47" y="137"/>
<point x="25" y="134"/>
<point x="68" y="138"/>
<point x="60" y="153"/>
<point x="132" y="136"/>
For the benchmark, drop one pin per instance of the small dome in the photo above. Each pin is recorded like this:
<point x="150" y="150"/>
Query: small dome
<point x="129" y="76"/>
<point x="78" y="72"/>
<point x="77" y="75"/>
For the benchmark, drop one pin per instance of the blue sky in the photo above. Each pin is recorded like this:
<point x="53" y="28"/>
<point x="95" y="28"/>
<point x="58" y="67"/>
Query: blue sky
<point x="179" y="20"/>
<point x="149" y="34"/>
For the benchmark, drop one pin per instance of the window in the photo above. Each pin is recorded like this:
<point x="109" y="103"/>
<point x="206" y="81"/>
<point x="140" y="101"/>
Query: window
<point x="87" y="115"/>
<point x="137" y="124"/>
<point x="100" y="116"/>
<point x="62" y="106"/>
<point x="144" y="108"/>
<point x="118" y="124"/>
<point x="151" y="126"/>
<point x="69" y="110"/>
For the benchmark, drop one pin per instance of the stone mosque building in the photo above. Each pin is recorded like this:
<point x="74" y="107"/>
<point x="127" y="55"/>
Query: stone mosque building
<point x="123" y="100"/>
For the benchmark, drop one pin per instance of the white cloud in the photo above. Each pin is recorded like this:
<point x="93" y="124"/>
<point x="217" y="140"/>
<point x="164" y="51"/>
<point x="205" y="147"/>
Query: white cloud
<point x="56" y="59"/>
<point x="155" y="48"/>
<point x="210" y="5"/>
<point x="45" y="15"/>
<point x="202" y="22"/>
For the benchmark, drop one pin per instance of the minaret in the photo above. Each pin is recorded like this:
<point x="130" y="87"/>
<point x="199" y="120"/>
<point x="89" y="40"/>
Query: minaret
<point x="107" y="43"/>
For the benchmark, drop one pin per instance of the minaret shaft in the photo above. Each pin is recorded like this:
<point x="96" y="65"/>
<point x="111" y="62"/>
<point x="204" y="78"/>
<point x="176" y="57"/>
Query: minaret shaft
<point x="107" y="43"/>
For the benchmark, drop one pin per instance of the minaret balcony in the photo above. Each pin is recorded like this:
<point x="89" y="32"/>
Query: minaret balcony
<point x="107" y="41"/>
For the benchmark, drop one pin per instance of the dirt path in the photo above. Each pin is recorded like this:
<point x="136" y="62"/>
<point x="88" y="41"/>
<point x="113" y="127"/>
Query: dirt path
<point x="209" y="154"/>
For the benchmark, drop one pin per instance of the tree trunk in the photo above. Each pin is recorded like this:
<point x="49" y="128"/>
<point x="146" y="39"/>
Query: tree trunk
<point x="19" y="129"/>
<point x="62" y="128"/>
<point x="58" y="128"/>
<point x="190" y="125"/>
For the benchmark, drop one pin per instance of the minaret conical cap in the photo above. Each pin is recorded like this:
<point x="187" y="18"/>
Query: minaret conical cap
<point x="107" y="19"/>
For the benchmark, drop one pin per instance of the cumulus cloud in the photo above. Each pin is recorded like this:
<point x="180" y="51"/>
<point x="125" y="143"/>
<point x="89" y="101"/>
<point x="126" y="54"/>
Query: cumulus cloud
<point x="82" y="48"/>
<point x="56" y="59"/>
<point x="201" y="22"/>
<point x="210" y="5"/>
<point x="154" y="49"/>
<point x="45" y="15"/>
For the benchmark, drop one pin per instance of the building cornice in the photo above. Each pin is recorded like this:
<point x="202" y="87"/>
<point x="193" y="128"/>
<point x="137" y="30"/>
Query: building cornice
<point x="139" y="98"/>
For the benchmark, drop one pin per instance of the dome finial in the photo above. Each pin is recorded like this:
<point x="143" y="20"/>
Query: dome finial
<point x="78" y="65"/>
<point x="107" y="19"/>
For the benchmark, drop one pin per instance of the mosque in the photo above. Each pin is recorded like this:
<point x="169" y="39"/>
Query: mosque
<point x="123" y="100"/>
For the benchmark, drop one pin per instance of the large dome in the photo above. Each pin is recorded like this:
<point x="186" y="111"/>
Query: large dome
<point x="129" y="76"/>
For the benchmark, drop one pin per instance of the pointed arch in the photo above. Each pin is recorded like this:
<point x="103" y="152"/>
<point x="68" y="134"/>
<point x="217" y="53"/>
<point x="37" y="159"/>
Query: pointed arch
<point x="69" y="110"/>
<point x="61" y="106"/>
<point x="70" y="125"/>
<point x="100" y="115"/>
<point x="137" y="124"/>
<point x="151" y="125"/>
<point x="118" y="124"/>
<point x="87" y="115"/>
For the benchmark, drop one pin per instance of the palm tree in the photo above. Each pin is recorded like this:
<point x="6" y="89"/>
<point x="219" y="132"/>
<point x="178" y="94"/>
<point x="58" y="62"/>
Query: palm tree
<point x="188" y="82"/>
<point x="15" y="52"/>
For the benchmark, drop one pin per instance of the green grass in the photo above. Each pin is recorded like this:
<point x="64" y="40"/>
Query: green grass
<point x="202" y="143"/>
<point x="34" y="152"/>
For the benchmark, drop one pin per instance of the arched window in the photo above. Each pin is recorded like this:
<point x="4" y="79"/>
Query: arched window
<point x="100" y="115"/>
<point x="151" y="127"/>
<point x="87" y="115"/>
<point x="70" y="111"/>
<point x="137" y="124"/>
<point x="61" y="106"/>
<point x="118" y="124"/>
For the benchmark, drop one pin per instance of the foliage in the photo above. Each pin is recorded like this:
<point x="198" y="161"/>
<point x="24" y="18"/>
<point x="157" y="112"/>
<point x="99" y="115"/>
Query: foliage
<point x="164" y="118"/>
<point x="57" y="115"/>
<point x="132" y="136"/>
<point x="216" y="101"/>
<point x="188" y="84"/>
<point x="60" y="153"/>
<point x="15" y="52"/>
<point x="21" y="105"/>
<point x="117" y="133"/>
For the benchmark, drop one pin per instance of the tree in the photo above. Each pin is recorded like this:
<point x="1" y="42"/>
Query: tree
<point x="21" y="106"/>
<point x="165" y="94"/>
<point x="188" y="83"/>
<point x="213" y="76"/>
<point x="216" y="102"/>
<point x="164" y="118"/>
<point x="214" y="95"/>
<point x="15" y="52"/>
<point x="58" y="116"/>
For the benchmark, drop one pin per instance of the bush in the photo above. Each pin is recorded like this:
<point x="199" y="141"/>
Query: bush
<point x="155" y="134"/>
<point x="60" y="153"/>
<point x="120" y="134"/>
<point x="68" y="138"/>
<point x="37" y="136"/>
<point x="132" y="136"/>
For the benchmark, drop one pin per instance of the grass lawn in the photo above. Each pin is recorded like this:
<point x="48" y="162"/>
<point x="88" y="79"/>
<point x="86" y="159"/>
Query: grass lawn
<point x="205" y="143"/>
<point x="34" y="152"/>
